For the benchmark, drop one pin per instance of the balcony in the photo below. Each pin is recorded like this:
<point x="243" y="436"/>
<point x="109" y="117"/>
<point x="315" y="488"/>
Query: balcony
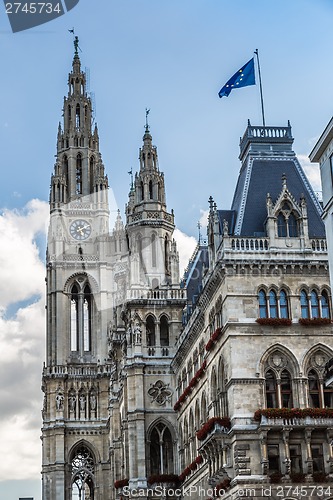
<point x="295" y="417"/>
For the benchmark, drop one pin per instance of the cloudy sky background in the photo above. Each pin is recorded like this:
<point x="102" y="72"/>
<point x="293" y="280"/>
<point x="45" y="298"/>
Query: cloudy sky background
<point x="171" y="56"/>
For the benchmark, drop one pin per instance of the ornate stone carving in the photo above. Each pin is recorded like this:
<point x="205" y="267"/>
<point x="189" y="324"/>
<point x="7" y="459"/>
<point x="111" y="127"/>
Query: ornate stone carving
<point x="160" y="392"/>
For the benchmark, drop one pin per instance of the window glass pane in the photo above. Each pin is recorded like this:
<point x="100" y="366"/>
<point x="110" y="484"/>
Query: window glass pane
<point x="314" y="305"/>
<point x="262" y="304"/>
<point x="272" y="304"/>
<point x="304" y="304"/>
<point x="282" y="227"/>
<point x="271" y="388"/>
<point x="296" y="458"/>
<point x="286" y="392"/>
<point x="292" y="226"/>
<point x="325" y="311"/>
<point x="273" y="458"/>
<point x="283" y="305"/>
<point x="314" y="400"/>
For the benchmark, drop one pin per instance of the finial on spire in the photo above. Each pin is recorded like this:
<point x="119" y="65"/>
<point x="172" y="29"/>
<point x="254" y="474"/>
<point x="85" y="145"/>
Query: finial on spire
<point x="131" y="174"/>
<point x="284" y="180"/>
<point x="147" y="125"/>
<point x="199" y="230"/>
<point x="211" y="203"/>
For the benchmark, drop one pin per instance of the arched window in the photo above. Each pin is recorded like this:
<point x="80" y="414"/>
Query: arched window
<point x="271" y="390"/>
<point x="80" y="318"/>
<point x="150" y="331"/>
<point x="314" y="304"/>
<point x="282" y="226"/>
<point x="292" y="226"/>
<point x="273" y="311"/>
<point x="87" y="319"/>
<point x="262" y="304"/>
<point x="305" y="313"/>
<point x="142" y="191"/>
<point x="79" y="174"/>
<point x="77" y="116"/>
<point x="74" y="319"/>
<point x="314" y="389"/>
<point x="284" y="313"/>
<point x="164" y="331"/>
<point x="153" y="250"/>
<point x="320" y="396"/>
<point x="161" y="450"/>
<point x="166" y="254"/>
<point x="83" y="470"/>
<point x="69" y="111"/>
<point x="286" y="390"/>
<point x="325" y="308"/>
<point x="150" y="190"/>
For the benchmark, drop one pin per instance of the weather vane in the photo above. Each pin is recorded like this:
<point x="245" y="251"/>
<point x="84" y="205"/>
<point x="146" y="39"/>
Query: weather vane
<point x="131" y="174"/>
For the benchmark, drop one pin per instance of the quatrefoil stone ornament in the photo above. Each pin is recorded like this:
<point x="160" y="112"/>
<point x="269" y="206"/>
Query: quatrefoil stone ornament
<point x="160" y="392"/>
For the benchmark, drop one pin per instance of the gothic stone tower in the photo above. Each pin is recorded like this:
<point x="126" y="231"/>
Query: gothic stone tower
<point x="76" y="374"/>
<point x="114" y="313"/>
<point x="143" y="442"/>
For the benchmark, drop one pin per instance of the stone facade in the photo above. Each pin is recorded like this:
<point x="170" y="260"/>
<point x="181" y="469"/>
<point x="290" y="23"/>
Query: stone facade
<point x="150" y="382"/>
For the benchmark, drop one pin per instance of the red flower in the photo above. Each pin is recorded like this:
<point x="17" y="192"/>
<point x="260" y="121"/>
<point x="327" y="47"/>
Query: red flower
<point x="209" y="425"/>
<point x="163" y="478"/>
<point x="199" y="459"/>
<point x="294" y="413"/>
<point x="274" y="321"/>
<point x="314" y="321"/>
<point x="121" y="483"/>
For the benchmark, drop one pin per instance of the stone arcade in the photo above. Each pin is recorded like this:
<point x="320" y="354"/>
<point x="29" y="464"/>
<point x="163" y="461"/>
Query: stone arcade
<point x="212" y="382"/>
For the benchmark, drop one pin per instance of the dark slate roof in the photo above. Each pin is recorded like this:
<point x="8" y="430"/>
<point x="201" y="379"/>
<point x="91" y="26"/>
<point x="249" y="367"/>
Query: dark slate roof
<point x="230" y="217"/>
<point x="265" y="176"/>
<point x="193" y="273"/>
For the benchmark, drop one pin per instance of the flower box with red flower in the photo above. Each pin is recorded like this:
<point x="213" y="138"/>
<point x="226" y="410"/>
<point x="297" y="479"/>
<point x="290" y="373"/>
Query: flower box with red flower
<point x="210" y="424"/>
<point x="274" y="321"/>
<point x="199" y="459"/>
<point x="163" y="478"/>
<point x="314" y="321"/>
<point x="121" y="483"/>
<point x="210" y="344"/>
<point x="177" y="406"/>
<point x="216" y="334"/>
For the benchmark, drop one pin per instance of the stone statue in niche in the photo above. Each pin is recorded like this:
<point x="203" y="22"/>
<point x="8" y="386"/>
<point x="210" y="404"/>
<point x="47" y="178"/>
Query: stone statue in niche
<point x="59" y="401"/>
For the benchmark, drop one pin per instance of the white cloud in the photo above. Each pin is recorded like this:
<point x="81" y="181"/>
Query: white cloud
<point x="22" y="340"/>
<point x="204" y="220"/>
<point x="185" y="245"/>
<point x="312" y="172"/>
<point x="22" y="272"/>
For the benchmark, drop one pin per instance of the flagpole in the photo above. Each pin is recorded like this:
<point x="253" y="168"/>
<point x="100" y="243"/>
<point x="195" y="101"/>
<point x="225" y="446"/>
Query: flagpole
<point x="260" y="86"/>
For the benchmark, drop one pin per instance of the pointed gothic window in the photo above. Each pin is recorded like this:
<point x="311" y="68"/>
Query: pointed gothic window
<point x="273" y="311"/>
<point x="262" y="304"/>
<point x="325" y="309"/>
<point x="83" y="470"/>
<point x="80" y="319"/>
<point x="166" y="254"/>
<point x="74" y="319"/>
<point x="305" y="313"/>
<point x="282" y="226"/>
<point x="161" y="450"/>
<point x="153" y="250"/>
<point x="314" y="304"/>
<point x="271" y="390"/>
<point x="87" y="319"/>
<point x="314" y="389"/>
<point x="286" y="392"/>
<point x="284" y="313"/>
<point x="292" y="226"/>
<point x="150" y="190"/>
<point x="164" y="331"/>
<point x="69" y="111"/>
<point x="142" y="191"/>
<point x="77" y="116"/>
<point x="79" y="174"/>
<point x="150" y="331"/>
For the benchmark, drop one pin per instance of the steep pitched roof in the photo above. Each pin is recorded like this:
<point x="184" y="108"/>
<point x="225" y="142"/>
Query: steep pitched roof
<point x="261" y="173"/>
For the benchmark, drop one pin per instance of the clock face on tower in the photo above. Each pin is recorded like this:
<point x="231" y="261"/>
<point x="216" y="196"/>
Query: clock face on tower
<point x="80" y="229"/>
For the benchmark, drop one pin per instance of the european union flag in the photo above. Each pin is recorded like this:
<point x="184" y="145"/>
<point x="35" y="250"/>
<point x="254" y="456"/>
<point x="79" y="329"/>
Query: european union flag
<point x="243" y="78"/>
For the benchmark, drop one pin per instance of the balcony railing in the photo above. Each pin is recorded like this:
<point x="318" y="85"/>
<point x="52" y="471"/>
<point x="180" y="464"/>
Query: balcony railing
<point x="296" y="421"/>
<point x="161" y="294"/>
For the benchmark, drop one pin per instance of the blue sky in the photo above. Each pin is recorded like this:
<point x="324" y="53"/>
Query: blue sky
<point x="171" y="56"/>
